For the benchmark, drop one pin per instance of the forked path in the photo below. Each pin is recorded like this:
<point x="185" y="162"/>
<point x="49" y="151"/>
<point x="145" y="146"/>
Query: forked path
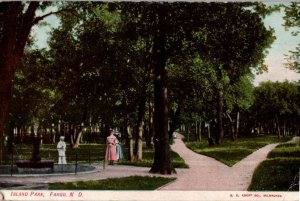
<point x="206" y="173"/>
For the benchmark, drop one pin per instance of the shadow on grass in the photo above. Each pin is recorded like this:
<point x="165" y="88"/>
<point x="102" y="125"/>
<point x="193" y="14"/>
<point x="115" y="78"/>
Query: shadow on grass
<point x="126" y="183"/>
<point x="280" y="172"/>
<point x="231" y="152"/>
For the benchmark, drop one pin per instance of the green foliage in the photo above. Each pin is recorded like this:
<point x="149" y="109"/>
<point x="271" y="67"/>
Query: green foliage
<point x="277" y="102"/>
<point x="99" y="57"/>
<point x="232" y="152"/>
<point x="126" y="183"/>
<point x="292" y="15"/>
<point x="239" y="96"/>
<point x="280" y="172"/>
<point x="91" y="52"/>
<point x="228" y="48"/>
<point x="34" y="95"/>
<point x="111" y="20"/>
<point x="277" y="98"/>
<point x="292" y="20"/>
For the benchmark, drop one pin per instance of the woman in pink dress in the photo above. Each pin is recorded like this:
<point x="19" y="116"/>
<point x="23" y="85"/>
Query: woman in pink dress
<point x="111" y="149"/>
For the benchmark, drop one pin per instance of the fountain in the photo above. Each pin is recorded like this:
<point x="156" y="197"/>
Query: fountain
<point x="35" y="165"/>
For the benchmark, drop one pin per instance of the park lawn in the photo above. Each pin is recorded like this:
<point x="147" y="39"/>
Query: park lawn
<point x="282" y="166"/>
<point x="147" y="160"/>
<point x="90" y="153"/>
<point x="126" y="183"/>
<point x="230" y="152"/>
<point x="86" y="153"/>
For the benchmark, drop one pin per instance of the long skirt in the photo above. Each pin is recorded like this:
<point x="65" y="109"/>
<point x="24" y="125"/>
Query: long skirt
<point x="111" y="153"/>
<point x="120" y="151"/>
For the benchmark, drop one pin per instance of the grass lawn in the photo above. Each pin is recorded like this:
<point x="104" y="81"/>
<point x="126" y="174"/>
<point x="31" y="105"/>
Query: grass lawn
<point x="230" y="152"/>
<point x="282" y="166"/>
<point x="147" y="161"/>
<point x="89" y="153"/>
<point x="86" y="153"/>
<point x="126" y="183"/>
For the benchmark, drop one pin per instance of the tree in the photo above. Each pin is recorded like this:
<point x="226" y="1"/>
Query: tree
<point x="194" y="25"/>
<point x="292" y="19"/>
<point x="276" y="106"/>
<point x="33" y="95"/>
<point x="226" y="39"/>
<point x="191" y="83"/>
<point x="239" y="97"/>
<point x="107" y="52"/>
<point x="16" y="21"/>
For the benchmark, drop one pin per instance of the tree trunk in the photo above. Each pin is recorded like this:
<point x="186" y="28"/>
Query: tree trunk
<point x="237" y="127"/>
<point x="130" y="138"/>
<point x="140" y="126"/>
<point x="10" y="141"/>
<point x="138" y="142"/>
<point x="149" y="138"/>
<point x="188" y="133"/>
<point x="78" y="136"/>
<point x="208" y="130"/>
<point x="200" y="130"/>
<point x="278" y="126"/>
<point x="284" y="127"/>
<point x="220" y="131"/>
<point x="232" y="131"/>
<point x="53" y="134"/>
<point x="15" y="31"/>
<point x="162" y="155"/>
<point x="174" y="122"/>
<point x="4" y="101"/>
<point x="141" y="114"/>
<point x="18" y="140"/>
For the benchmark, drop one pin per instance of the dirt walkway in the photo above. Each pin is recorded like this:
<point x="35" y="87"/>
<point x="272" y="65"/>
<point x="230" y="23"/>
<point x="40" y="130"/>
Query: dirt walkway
<point x="205" y="173"/>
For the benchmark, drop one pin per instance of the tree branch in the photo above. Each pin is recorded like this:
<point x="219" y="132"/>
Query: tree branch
<point x="26" y="26"/>
<point x="38" y="19"/>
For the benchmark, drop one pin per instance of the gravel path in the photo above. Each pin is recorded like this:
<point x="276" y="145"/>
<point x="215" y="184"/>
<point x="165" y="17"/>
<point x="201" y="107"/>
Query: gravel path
<point x="205" y="173"/>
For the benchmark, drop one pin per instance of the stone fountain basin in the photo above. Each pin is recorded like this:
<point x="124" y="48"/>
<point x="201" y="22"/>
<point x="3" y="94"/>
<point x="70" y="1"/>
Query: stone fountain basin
<point x="5" y="170"/>
<point x="35" y="164"/>
<point x="35" y="167"/>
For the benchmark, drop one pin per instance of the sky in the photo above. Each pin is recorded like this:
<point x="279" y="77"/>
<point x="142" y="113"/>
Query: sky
<point x="284" y="43"/>
<point x="275" y="59"/>
<point x="41" y="33"/>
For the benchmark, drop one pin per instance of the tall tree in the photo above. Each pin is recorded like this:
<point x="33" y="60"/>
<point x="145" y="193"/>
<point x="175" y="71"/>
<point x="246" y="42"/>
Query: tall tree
<point x="238" y="98"/>
<point x="235" y="40"/>
<point x="16" y="21"/>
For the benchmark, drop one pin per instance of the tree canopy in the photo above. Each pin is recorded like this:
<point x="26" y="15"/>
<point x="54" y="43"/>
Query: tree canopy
<point x="147" y="66"/>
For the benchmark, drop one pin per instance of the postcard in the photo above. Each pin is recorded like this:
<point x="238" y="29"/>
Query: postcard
<point x="149" y="100"/>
